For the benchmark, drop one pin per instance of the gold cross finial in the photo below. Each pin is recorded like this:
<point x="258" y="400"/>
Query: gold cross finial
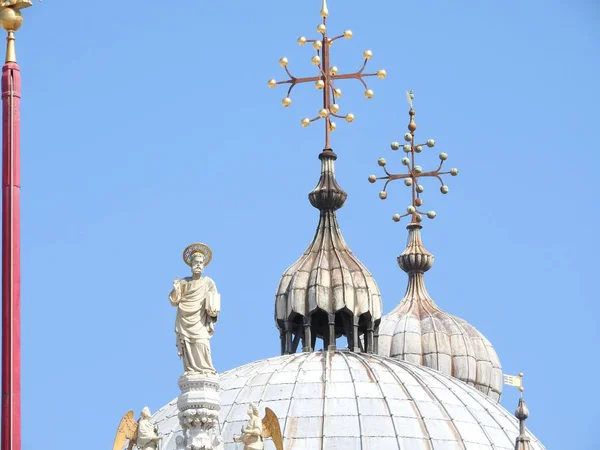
<point x="326" y="77"/>
<point x="324" y="10"/>
<point x="414" y="171"/>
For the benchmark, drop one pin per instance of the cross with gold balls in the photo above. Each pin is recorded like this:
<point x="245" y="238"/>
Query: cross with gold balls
<point x="414" y="171"/>
<point x="327" y="76"/>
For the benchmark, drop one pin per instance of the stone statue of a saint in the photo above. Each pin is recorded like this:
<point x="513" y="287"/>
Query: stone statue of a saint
<point x="147" y="434"/>
<point x="198" y="305"/>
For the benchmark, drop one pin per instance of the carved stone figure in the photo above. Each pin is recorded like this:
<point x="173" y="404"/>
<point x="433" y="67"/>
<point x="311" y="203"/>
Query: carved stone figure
<point x="147" y="434"/>
<point x="256" y="431"/>
<point x="141" y="433"/>
<point x="198" y="305"/>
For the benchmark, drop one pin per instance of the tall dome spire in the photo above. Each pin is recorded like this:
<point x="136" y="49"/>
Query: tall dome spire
<point x="327" y="293"/>
<point x="523" y="442"/>
<point x="417" y="330"/>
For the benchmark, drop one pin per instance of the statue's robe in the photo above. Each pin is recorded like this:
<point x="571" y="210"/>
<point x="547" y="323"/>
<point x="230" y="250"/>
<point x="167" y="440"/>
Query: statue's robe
<point x="252" y="437"/>
<point x="146" y="435"/>
<point x="197" y="311"/>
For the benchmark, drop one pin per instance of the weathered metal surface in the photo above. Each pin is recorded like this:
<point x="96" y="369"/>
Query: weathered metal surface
<point x="346" y="400"/>
<point x="327" y="292"/>
<point x="418" y="331"/>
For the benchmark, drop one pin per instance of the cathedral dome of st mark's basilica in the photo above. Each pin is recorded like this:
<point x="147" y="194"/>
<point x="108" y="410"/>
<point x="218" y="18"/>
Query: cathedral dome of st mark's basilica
<point x="415" y="379"/>
<point x="345" y="400"/>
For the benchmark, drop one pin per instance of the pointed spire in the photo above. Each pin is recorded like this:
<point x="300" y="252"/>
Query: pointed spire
<point x="522" y="413"/>
<point x="324" y="10"/>
<point x="418" y="330"/>
<point x="327" y="292"/>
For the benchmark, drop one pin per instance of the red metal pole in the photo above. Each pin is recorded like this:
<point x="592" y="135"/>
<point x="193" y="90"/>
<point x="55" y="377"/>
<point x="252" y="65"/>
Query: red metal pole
<point x="11" y="257"/>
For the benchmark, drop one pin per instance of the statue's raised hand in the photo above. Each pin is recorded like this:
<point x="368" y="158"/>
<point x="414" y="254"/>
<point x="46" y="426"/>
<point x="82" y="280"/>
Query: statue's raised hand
<point x="177" y="284"/>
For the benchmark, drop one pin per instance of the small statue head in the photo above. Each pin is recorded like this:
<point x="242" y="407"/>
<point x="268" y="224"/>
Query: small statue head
<point x="145" y="414"/>
<point x="197" y="263"/>
<point x="179" y="442"/>
<point x="253" y="411"/>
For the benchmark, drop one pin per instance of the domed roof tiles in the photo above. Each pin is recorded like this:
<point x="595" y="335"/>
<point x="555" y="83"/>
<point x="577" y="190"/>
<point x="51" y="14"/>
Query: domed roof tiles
<point x="350" y="401"/>
<point x="418" y="331"/>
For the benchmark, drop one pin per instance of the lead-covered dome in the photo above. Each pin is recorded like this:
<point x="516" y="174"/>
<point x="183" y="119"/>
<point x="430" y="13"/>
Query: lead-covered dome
<point x="350" y="401"/>
<point x="327" y="292"/>
<point x="418" y="331"/>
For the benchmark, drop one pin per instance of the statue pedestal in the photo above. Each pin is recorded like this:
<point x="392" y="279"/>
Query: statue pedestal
<point x="199" y="407"/>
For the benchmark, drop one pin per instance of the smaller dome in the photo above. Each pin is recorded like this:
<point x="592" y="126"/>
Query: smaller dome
<point x="418" y="331"/>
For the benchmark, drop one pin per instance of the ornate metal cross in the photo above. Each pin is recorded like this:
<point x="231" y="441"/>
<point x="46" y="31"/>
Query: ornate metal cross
<point x="414" y="171"/>
<point x="327" y="75"/>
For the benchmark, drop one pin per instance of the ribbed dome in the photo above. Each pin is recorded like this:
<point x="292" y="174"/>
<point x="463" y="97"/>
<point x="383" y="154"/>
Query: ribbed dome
<point x="328" y="285"/>
<point x="418" y="331"/>
<point x="351" y="401"/>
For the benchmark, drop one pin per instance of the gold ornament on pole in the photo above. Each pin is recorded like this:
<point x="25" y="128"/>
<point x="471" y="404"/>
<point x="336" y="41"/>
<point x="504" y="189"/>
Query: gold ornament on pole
<point x="327" y="76"/>
<point x="11" y="20"/>
<point x="414" y="171"/>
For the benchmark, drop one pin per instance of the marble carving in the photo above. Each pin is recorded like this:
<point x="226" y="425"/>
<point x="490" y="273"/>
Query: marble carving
<point x="198" y="307"/>
<point x="256" y="431"/>
<point x="147" y="434"/>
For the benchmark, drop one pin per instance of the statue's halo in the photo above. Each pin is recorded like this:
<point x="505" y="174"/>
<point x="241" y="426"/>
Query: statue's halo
<point x="197" y="248"/>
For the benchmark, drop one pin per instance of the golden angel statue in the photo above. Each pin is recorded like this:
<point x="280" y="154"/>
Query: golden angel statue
<point x="141" y="433"/>
<point x="256" y="431"/>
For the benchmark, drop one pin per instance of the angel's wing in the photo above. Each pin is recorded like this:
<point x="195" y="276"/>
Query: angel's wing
<point x="127" y="430"/>
<point x="271" y="428"/>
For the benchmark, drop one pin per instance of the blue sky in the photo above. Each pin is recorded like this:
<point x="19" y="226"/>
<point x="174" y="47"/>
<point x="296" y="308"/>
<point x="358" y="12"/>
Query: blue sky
<point x="146" y="127"/>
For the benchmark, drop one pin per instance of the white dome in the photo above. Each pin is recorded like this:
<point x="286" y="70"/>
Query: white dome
<point x="422" y="333"/>
<point x="346" y="401"/>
